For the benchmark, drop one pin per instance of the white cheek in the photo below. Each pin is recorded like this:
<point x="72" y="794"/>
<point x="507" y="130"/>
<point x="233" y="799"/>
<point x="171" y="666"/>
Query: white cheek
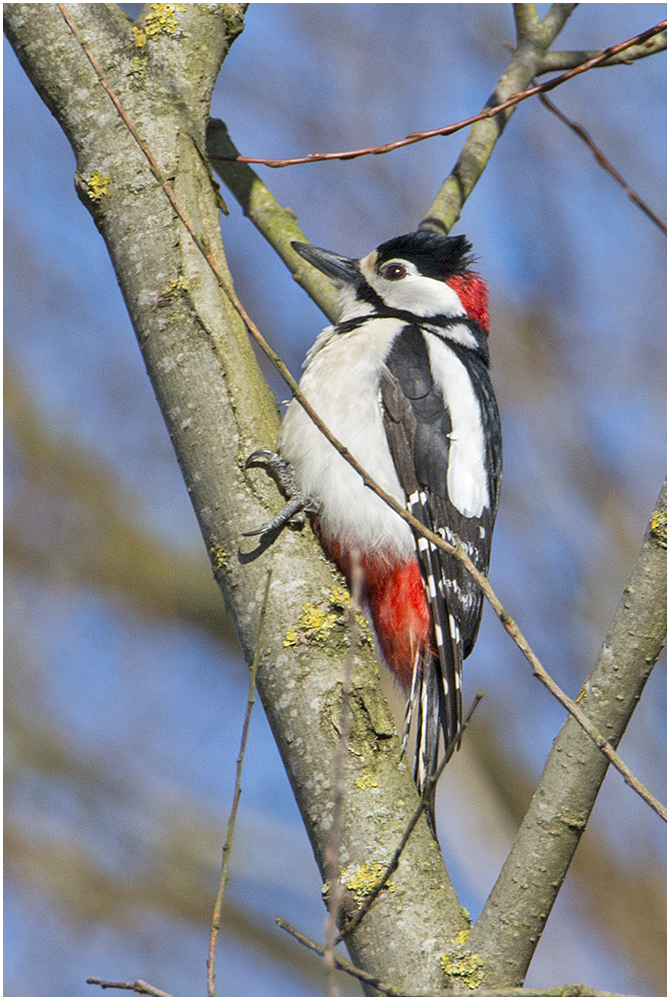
<point x="419" y="295"/>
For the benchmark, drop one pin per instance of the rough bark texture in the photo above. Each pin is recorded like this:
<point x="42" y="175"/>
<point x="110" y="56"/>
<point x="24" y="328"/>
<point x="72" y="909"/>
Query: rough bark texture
<point x="218" y="409"/>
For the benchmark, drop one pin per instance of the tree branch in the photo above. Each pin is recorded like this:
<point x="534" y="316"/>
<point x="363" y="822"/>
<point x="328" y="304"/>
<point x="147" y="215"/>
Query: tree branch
<point x="554" y="62"/>
<point x="139" y="986"/>
<point x="218" y="409"/>
<point x="533" y="41"/>
<point x="516" y="912"/>
<point x="554" y="21"/>
<point x="526" y="19"/>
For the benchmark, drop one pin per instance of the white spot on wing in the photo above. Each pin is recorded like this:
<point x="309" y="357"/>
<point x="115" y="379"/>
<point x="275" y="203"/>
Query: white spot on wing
<point x="467" y="481"/>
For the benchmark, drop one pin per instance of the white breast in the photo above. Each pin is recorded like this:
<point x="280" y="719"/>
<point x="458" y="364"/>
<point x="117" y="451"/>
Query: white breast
<point x="342" y="384"/>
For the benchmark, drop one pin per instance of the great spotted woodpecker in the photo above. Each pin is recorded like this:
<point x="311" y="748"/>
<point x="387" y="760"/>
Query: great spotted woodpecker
<point x="402" y="381"/>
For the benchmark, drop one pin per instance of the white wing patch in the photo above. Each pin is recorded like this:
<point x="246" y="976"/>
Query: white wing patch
<point x="467" y="481"/>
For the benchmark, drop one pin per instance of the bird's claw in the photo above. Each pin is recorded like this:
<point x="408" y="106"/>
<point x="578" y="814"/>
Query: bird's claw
<point x="298" y="504"/>
<point x="287" y="515"/>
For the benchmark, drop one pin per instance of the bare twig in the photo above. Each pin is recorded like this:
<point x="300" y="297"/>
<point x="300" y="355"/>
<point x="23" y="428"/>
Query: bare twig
<point x="333" y="850"/>
<point x="533" y="38"/>
<point x="603" y="162"/>
<point x="455" y="550"/>
<point x="340" y="963"/>
<point x="427" y="794"/>
<point x="351" y="154"/>
<point x="216" y="917"/>
<point x="139" y="986"/>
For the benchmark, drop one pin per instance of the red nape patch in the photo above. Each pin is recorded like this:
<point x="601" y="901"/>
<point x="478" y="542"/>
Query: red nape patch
<point x="397" y="602"/>
<point x="474" y="295"/>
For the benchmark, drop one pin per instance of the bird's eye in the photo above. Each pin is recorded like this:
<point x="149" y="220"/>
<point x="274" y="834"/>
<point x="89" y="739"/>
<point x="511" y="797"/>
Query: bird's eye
<point x="394" y="272"/>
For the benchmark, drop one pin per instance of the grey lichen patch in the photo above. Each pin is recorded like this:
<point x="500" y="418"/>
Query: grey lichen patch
<point x="465" y="966"/>
<point x="97" y="186"/>
<point x="380" y="817"/>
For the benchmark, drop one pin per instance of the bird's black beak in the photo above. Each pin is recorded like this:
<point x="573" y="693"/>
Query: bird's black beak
<point x="343" y="270"/>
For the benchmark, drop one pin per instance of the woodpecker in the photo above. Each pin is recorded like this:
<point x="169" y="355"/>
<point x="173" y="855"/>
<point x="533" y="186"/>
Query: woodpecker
<point x="402" y="380"/>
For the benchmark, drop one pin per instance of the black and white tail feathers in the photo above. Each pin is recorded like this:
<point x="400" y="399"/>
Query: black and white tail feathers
<point x="437" y="685"/>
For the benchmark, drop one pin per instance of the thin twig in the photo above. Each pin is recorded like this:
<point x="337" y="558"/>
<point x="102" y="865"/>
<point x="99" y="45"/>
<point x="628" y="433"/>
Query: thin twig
<point x="603" y="162"/>
<point x="216" y="917"/>
<point x="340" y="962"/>
<point x="455" y="550"/>
<point x="428" y="792"/>
<point x="139" y="986"/>
<point x="333" y="850"/>
<point x="409" y="140"/>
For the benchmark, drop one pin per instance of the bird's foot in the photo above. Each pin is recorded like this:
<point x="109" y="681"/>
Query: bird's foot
<point x="298" y="504"/>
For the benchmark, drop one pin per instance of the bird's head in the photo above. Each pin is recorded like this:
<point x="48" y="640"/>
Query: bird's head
<point x="420" y="275"/>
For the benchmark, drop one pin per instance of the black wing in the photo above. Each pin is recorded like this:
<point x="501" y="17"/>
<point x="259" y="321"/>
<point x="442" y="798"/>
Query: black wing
<point x="418" y="425"/>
